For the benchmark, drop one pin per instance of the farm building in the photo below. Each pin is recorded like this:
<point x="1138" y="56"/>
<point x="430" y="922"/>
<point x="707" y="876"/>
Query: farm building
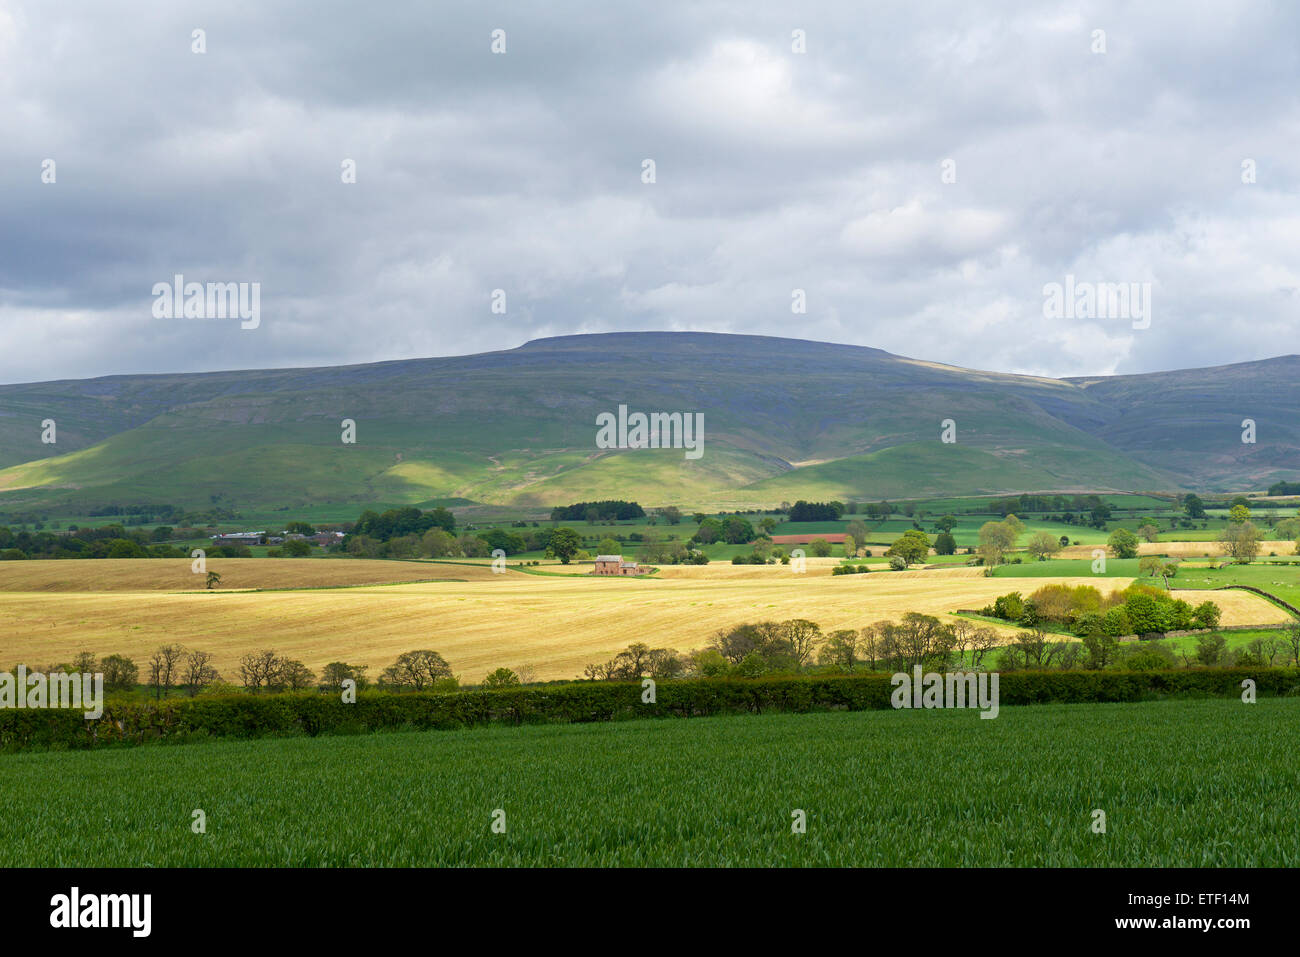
<point x="240" y="538"/>
<point x="614" y="565"/>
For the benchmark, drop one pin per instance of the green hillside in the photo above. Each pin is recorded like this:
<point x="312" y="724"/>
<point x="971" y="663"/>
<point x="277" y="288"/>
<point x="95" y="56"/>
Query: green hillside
<point x="783" y="419"/>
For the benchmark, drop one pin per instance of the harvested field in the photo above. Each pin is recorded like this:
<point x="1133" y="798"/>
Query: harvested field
<point x="176" y="574"/>
<point x="555" y="624"/>
<point x="1180" y="549"/>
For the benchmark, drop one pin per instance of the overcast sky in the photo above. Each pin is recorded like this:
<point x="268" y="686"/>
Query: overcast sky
<point x="775" y="170"/>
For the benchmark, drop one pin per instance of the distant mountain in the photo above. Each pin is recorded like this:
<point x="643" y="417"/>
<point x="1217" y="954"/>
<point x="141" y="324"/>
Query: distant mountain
<point x="783" y="419"/>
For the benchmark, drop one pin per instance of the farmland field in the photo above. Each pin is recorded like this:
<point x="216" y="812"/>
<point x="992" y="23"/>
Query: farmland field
<point x="175" y="574"/>
<point x="1182" y="550"/>
<point x="477" y="620"/>
<point x="1193" y="783"/>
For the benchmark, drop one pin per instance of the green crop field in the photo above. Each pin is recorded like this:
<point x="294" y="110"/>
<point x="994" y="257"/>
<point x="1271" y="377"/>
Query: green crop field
<point x="1280" y="580"/>
<point x="1182" y="783"/>
<point x="1072" y="568"/>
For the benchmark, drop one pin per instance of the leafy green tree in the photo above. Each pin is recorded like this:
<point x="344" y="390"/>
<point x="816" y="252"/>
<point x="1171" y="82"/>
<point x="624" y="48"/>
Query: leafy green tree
<point x="1043" y="545"/>
<point x="1147" y="615"/>
<point x="335" y="673"/>
<point x="1123" y="543"/>
<point x="437" y="543"/>
<point x="945" y="544"/>
<point x="1150" y="566"/>
<point x="1238" y="513"/>
<point x="1193" y="505"/>
<point x="912" y="546"/>
<point x="1210" y="649"/>
<point x="508" y="542"/>
<point x="563" y="544"/>
<point x="608" y="546"/>
<point x="471" y="546"/>
<point x="296" y="548"/>
<point x="1115" y="622"/>
<point x="120" y="672"/>
<point x="1206" y="615"/>
<point x="1009" y="607"/>
<point x="737" y="531"/>
<point x="1103" y="649"/>
<point x="501" y="678"/>
<point x="819" y="547"/>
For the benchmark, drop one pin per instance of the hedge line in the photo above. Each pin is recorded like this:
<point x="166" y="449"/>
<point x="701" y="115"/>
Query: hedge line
<point x="312" y="713"/>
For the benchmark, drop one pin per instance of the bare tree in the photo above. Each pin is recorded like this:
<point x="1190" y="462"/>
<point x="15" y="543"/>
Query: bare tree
<point x="802" y="637"/>
<point x="869" y="644"/>
<point x="258" y="669"/>
<point x="164" y="667"/>
<point x="841" y="649"/>
<point x="982" y="640"/>
<point x="417" y="669"/>
<point x="1291" y="635"/>
<point x="1241" y="540"/>
<point x="922" y="639"/>
<point x="199" y="672"/>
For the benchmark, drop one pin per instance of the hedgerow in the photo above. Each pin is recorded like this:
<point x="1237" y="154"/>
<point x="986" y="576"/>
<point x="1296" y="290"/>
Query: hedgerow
<point x="313" y="713"/>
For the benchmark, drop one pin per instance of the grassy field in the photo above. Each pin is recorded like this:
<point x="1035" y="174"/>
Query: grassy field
<point x="477" y="620"/>
<point x="1182" y="783"/>
<point x="1280" y="580"/>
<point x="1068" y="567"/>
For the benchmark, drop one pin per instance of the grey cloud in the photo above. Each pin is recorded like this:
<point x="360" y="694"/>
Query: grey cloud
<point x="776" y="171"/>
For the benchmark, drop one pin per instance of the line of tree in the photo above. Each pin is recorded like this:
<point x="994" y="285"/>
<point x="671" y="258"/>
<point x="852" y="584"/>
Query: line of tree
<point x="802" y="511"/>
<point x="610" y="510"/>
<point x="402" y="522"/>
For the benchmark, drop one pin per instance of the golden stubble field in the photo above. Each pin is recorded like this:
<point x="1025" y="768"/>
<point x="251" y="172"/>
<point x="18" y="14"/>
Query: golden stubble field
<point x="50" y="610"/>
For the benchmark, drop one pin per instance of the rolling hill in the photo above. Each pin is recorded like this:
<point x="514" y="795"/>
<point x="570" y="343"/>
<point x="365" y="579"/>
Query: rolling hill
<point x="784" y="419"/>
